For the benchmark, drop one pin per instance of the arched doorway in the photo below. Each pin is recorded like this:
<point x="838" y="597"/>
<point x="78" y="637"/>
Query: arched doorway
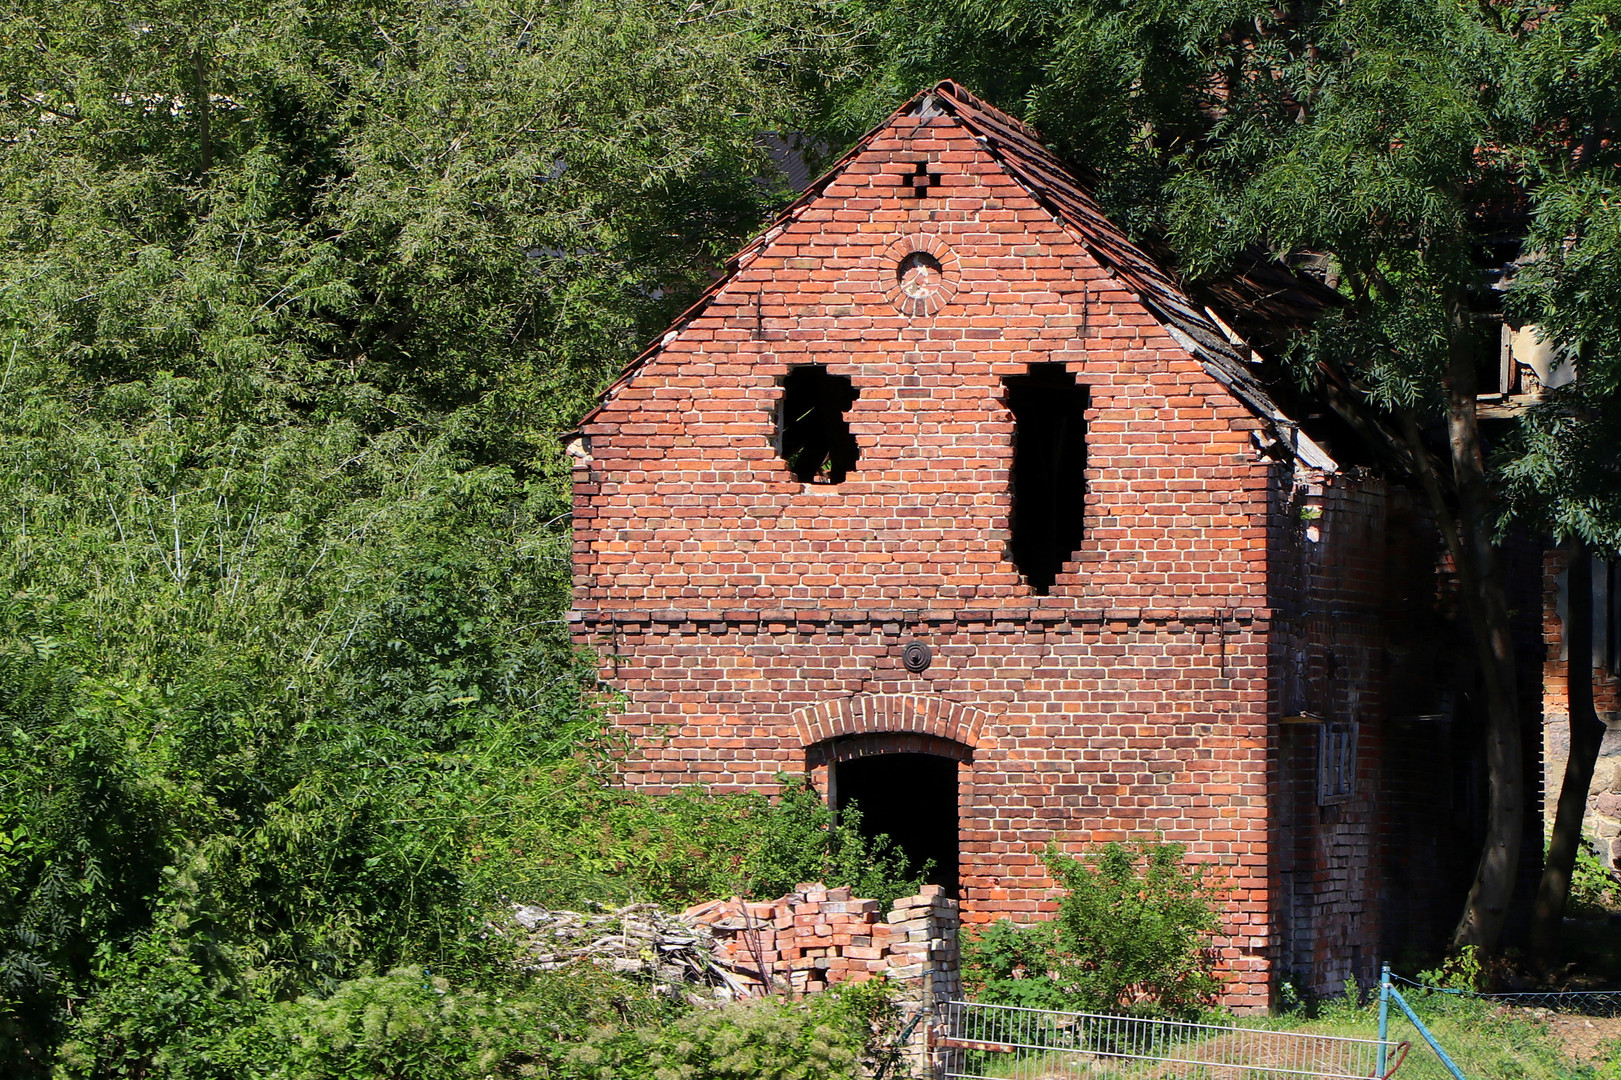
<point x="908" y="787"/>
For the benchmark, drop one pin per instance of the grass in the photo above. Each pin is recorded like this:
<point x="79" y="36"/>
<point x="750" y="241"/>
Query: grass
<point x="1486" y="1041"/>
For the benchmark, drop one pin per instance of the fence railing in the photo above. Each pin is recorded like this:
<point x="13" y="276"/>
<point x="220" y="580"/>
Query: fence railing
<point x="1387" y="994"/>
<point x="1005" y="1042"/>
<point x="1581" y="1002"/>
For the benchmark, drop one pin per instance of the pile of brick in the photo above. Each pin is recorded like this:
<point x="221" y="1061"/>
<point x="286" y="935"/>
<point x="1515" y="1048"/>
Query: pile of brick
<point x="816" y="937"/>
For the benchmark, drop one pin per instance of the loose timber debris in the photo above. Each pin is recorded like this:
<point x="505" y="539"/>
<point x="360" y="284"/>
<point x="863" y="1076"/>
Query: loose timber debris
<point x="639" y="940"/>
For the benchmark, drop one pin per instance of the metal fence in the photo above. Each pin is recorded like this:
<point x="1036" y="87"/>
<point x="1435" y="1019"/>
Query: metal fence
<point x="1004" y="1042"/>
<point x="1581" y="1002"/>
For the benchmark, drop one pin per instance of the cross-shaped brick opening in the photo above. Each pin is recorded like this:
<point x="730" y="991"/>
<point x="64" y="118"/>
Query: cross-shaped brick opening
<point x="813" y="435"/>
<point x="919" y="182"/>
<point x="1049" y="471"/>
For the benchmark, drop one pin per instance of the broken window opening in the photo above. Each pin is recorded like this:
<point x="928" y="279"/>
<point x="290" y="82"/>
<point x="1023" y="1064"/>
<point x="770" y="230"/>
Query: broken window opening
<point x="1049" y="471"/>
<point x="813" y="435"/>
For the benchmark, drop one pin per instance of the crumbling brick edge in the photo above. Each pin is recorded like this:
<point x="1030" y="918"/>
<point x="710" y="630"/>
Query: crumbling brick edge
<point x="816" y="937"/>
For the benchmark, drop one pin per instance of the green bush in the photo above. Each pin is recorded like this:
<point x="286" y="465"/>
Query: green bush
<point x="1132" y="934"/>
<point x="580" y="1022"/>
<point x="1592" y="884"/>
<point x="1009" y="963"/>
<point x="159" y="1012"/>
<point x="162" y="1018"/>
<point x="1134" y="928"/>
<point x="566" y="838"/>
<point x="826" y="1037"/>
<point x="403" y="1024"/>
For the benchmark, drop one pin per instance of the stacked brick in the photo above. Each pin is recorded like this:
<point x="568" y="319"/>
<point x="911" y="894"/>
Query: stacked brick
<point x="816" y="937"/>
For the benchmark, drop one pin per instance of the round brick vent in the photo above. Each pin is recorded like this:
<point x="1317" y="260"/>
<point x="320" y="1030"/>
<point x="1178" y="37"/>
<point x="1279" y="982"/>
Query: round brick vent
<point x="924" y="275"/>
<point x="919" y="275"/>
<point x="916" y="656"/>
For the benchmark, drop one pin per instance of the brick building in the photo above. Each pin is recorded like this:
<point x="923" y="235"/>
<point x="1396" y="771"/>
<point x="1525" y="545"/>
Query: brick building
<point x="952" y="497"/>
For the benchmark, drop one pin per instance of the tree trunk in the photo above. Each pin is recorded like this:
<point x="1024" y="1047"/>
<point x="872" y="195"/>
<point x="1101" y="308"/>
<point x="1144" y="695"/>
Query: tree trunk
<point x="1586" y="736"/>
<point x="205" y="112"/>
<point x="1485" y="596"/>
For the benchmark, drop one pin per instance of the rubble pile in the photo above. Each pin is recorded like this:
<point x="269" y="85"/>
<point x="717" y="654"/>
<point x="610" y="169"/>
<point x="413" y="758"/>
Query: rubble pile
<point x="817" y="937"/>
<point x="805" y="941"/>
<point x="639" y="940"/>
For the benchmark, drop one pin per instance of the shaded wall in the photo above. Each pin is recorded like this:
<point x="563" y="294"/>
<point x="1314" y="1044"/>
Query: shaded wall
<point x="1367" y="633"/>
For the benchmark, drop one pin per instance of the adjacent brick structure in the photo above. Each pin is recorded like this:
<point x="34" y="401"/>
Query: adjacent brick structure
<point x="1602" y="823"/>
<point x="1230" y="598"/>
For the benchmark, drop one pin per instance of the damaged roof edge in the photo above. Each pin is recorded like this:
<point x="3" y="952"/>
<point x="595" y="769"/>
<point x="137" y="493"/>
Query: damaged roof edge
<point x="746" y="253"/>
<point x="1242" y="385"/>
<point x="1017" y="147"/>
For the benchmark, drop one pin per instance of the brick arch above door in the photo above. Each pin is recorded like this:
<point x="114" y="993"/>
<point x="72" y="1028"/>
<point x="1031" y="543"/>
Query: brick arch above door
<point x="890" y="714"/>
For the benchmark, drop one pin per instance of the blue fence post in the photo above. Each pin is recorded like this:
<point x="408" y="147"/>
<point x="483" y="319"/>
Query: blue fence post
<point x="1384" y="1014"/>
<point x="1446" y="1059"/>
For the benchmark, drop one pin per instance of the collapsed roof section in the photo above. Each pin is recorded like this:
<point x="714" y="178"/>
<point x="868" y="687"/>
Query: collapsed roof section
<point x="1258" y="295"/>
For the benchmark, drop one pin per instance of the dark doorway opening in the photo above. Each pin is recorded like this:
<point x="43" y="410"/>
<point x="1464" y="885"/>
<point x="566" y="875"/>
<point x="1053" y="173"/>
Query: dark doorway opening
<point x="813" y="435"/>
<point x="911" y="798"/>
<point x="1049" y="471"/>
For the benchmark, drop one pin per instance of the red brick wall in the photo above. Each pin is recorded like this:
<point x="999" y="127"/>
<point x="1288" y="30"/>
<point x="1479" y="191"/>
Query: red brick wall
<point x="1359" y="636"/>
<point x="1555" y="693"/>
<point x="741" y="605"/>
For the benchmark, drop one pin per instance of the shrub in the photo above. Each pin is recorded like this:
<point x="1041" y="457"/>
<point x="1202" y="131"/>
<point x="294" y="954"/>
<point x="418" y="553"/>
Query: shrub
<point x="866" y="1011"/>
<point x="798" y="838"/>
<point x="1134" y="928"/>
<point x="564" y="838"/>
<point x="1132" y="934"/>
<point x="1007" y="963"/>
<point x="826" y="1037"/>
<point x="1592" y="884"/>
<point x="405" y="1023"/>
<point x="159" y="1015"/>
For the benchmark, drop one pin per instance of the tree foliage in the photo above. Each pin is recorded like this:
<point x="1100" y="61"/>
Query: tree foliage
<point x="294" y="300"/>
<point x="1409" y="152"/>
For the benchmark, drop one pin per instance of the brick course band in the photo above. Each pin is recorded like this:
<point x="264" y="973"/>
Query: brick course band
<point x="1057" y="613"/>
<point x="890" y="714"/>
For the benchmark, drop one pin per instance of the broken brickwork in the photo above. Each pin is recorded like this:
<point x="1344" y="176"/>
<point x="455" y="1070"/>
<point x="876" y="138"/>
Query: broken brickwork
<point x="816" y="937"/>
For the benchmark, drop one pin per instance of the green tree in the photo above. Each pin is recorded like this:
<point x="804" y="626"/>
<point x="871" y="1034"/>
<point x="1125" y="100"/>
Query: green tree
<point x="1394" y="142"/>
<point x="294" y="301"/>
